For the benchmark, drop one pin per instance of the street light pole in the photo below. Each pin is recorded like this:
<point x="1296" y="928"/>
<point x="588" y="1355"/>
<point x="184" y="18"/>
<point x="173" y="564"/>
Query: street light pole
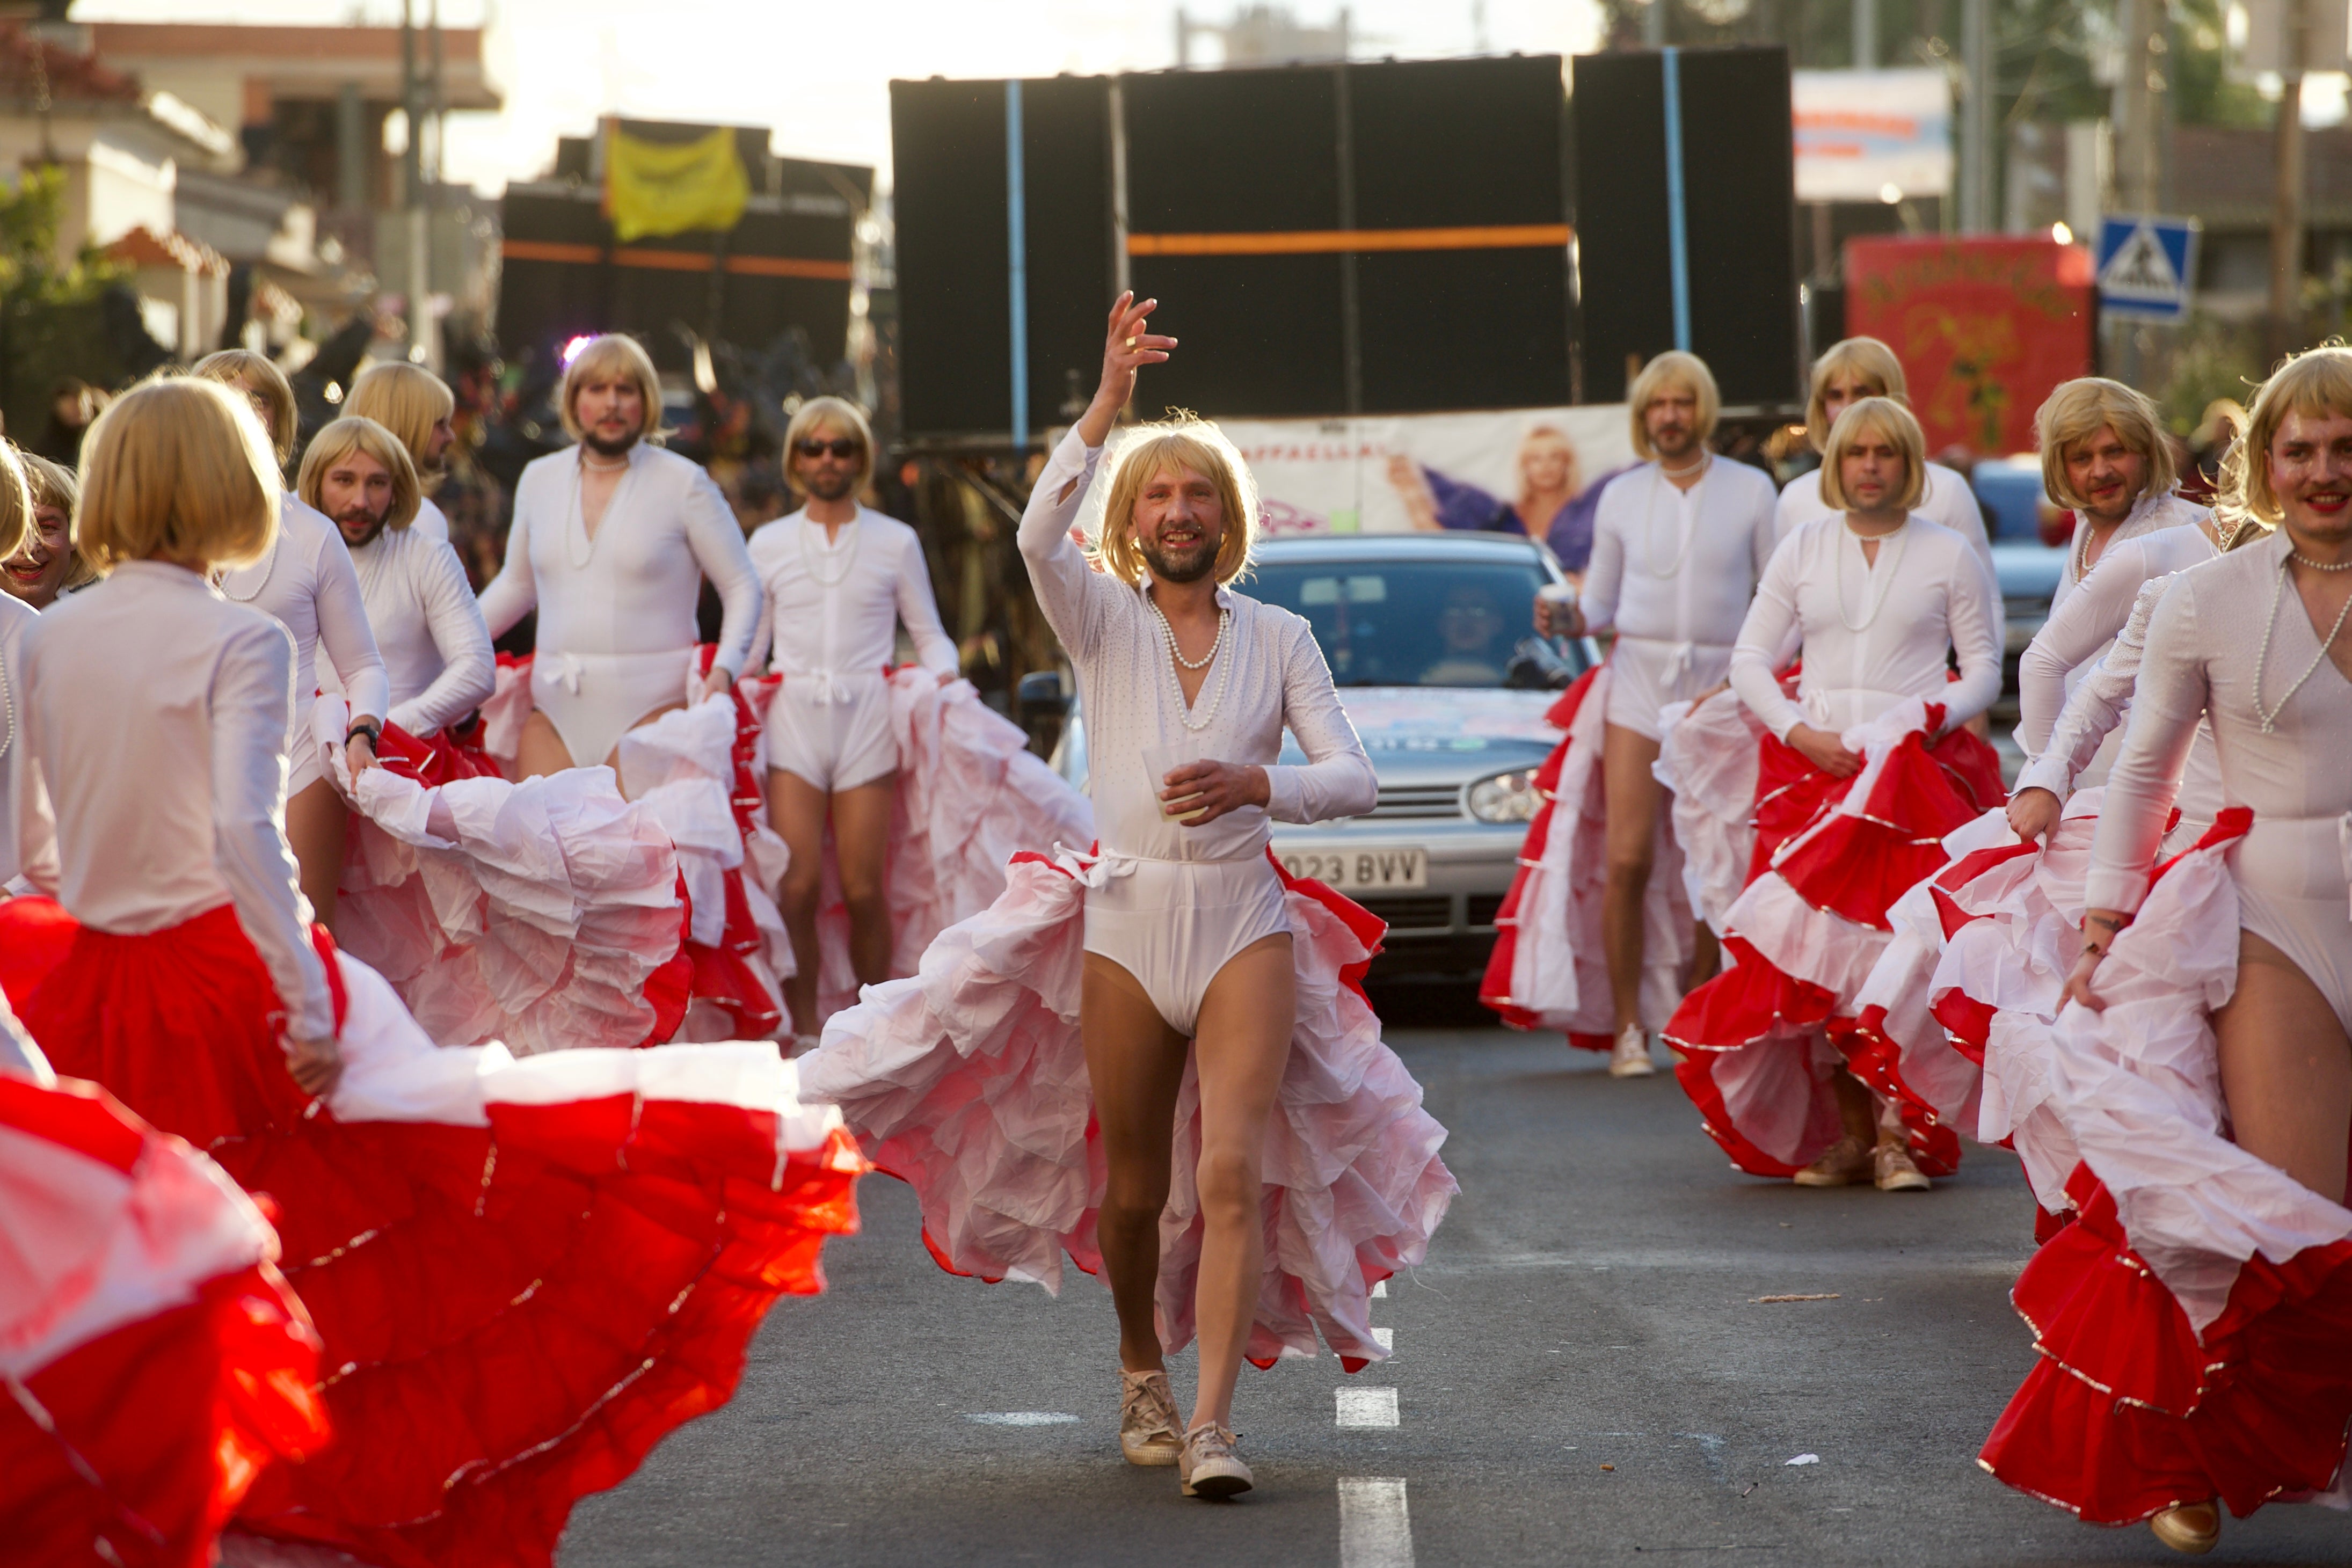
<point x="1865" y="34"/>
<point x="412" y="176"/>
<point x="1976" y="117"/>
<point x="2287" y="212"/>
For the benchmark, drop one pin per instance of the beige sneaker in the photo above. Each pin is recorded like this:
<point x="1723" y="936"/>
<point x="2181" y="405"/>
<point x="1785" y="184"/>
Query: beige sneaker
<point x="1630" y="1056"/>
<point x="1147" y="1419"/>
<point x="1894" y="1171"/>
<point x="1847" y="1162"/>
<point x="2191" y="1528"/>
<point x="1210" y="1468"/>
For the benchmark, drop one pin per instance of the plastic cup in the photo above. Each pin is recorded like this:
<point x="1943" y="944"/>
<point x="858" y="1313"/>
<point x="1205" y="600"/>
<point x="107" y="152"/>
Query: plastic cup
<point x="1158" y="762"/>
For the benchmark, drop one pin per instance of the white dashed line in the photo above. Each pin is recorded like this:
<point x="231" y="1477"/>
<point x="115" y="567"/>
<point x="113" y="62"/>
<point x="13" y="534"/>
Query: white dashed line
<point x="1375" y="1530"/>
<point x="1384" y="1338"/>
<point x="1367" y="1406"/>
<point x="1379" y="1289"/>
<point x="1022" y="1418"/>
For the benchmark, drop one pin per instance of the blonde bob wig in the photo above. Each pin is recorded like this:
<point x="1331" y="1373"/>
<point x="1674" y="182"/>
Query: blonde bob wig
<point x="258" y="373"/>
<point x="337" y="443"/>
<point x="406" y="400"/>
<point x="15" y="501"/>
<point x="843" y="416"/>
<point x="613" y="357"/>
<point x="1671" y="369"/>
<point x="2077" y="411"/>
<point x="1889" y="419"/>
<point x="1182" y="441"/>
<point x="178" y="469"/>
<point x="53" y="485"/>
<point x="1863" y="360"/>
<point x="2316" y="382"/>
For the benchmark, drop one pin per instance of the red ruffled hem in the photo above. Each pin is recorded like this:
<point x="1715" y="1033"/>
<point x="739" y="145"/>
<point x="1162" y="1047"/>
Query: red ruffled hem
<point x="724" y="975"/>
<point x="1495" y="987"/>
<point x="514" y="1314"/>
<point x="2127" y="1413"/>
<point x="436" y="758"/>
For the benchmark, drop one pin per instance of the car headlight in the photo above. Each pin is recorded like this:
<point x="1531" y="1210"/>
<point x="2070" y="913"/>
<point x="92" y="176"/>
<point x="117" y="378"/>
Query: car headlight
<point x="1505" y="797"/>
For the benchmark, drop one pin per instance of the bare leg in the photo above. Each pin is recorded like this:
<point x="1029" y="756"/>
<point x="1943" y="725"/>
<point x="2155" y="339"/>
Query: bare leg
<point x="2286" y="1069"/>
<point x="1135" y="1064"/>
<point x="1632" y="797"/>
<point x="861" y="848"/>
<point x="541" y="751"/>
<point x="797" y="810"/>
<point x="1706" y="954"/>
<point x="316" y="821"/>
<point x="1246" y="1019"/>
<point x="612" y="760"/>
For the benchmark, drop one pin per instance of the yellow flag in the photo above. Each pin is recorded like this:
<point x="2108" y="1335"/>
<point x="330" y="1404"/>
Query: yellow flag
<point x="665" y="188"/>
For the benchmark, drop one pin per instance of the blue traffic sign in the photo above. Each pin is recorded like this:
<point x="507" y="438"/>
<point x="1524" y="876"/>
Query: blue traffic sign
<point x="2148" y="265"/>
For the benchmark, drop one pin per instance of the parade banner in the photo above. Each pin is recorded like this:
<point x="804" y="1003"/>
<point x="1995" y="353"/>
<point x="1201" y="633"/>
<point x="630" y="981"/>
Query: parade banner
<point x="1985" y="328"/>
<point x="1861" y="134"/>
<point x="1431" y="472"/>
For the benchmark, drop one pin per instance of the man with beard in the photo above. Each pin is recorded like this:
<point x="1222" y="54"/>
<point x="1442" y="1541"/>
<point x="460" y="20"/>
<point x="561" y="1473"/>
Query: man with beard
<point x="836" y="581"/>
<point x="1188" y="687"/>
<point x="611" y="540"/>
<point x="436" y="651"/>
<point x="2105" y="453"/>
<point x="416" y="406"/>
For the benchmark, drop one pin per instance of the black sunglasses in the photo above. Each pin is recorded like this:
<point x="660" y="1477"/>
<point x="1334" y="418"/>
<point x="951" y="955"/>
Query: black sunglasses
<point x="842" y="448"/>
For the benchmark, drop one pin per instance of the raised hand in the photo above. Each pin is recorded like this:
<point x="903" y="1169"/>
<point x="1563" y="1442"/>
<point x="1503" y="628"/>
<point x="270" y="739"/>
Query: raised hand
<point x="1127" y="348"/>
<point x="1214" y="788"/>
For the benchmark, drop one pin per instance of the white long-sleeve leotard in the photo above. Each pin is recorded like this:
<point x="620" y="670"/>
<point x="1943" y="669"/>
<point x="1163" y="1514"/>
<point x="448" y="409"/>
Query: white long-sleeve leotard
<point x="307" y="581"/>
<point x="832" y="609"/>
<point x="2209" y="657"/>
<point x="431" y="522"/>
<point x="1270" y="672"/>
<point x="156" y="721"/>
<point x="15" y="618"/>
<point x="436" y="651"/>
<point x="635" y="587"/>
<point x="2148" y="514"/>
<point x="1927" y="592"/>
<point x="1678" y="567"/>
<point x="2080" y="631"/>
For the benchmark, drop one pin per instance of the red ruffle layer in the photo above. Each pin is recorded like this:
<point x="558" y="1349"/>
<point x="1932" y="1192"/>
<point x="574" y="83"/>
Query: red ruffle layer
<point x="1494" y="987"/>
<point x="513" y="1314"/>
<point x="2127" y="1413"/>
<point x="436" y="758"/>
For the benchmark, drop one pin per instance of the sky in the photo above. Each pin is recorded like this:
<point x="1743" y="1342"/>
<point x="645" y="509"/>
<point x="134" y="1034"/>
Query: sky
<point x="820" y="74"/>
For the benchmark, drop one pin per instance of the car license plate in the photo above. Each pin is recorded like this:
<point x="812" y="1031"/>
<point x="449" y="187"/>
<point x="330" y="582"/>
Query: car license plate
<point x="1361" y="871"/>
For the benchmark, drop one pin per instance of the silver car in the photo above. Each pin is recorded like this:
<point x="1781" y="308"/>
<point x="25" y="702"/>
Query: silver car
<point x="1429" y="638"/>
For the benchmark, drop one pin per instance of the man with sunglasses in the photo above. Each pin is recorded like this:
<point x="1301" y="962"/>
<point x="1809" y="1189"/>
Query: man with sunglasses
<point x="838" y="580"/>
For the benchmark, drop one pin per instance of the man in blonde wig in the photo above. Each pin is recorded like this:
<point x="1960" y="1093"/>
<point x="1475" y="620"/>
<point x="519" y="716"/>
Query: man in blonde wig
<point x="1678" y="544"/>
<point x="1188" y="687"/>
<point x="17" y="529"/>
<point x="436" y="652"/>
<point x="416" y="406"/>
<point x="2105" y="453"/>
<point x="611" y="542"/>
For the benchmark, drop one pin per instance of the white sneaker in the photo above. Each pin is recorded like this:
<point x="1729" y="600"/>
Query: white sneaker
<point x="1630" y="1056"/>
<point x="1210" y="1468"/>
<point x="1896" y="1171"/>
<point x="1147" y="1419"/>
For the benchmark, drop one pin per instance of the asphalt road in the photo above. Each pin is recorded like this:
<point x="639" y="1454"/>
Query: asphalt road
<point x="1581" y="1375"/>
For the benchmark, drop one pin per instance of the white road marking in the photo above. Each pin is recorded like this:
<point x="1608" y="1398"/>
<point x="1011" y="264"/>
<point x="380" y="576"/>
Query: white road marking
<point x="1367" y="1406"/>
<point x="1379" y="1289"/>
<point x="1375" y="1530"/>
<point x="1022" y="1418"/>
<point x="1384" y="1338"/>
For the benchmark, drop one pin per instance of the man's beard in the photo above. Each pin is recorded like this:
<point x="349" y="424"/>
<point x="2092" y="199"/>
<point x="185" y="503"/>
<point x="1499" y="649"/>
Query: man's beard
<point x="603" y="448"/>
<point x="1195" y="563"/>
<point x="828" y="487"/>
<point x="1684" y="442"/>
<point x="350" y="515"/>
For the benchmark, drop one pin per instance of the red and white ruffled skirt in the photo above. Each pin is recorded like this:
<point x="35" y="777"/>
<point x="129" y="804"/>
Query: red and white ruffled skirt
<point x="2194" y="1322"/>
<point x="524" y="1273"/>
<point x="1761" y="1041"/>
<point x="969" y="1081"/>
<point x="1547" y="969"/>
<point x="154" y="1359"/>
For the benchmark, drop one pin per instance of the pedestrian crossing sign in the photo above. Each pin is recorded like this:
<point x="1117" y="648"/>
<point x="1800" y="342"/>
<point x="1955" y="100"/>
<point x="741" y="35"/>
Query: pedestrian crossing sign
<point x="2147" y="266"/>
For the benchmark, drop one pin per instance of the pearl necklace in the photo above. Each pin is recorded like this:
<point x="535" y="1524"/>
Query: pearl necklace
<point x="1883" y="573"/>
<point x="2270" y="715"/>
<point x="1225" y="670"/>
<point x="811" y="551"/>
<point x="2301" y="559"/>
<point x="8" y="711"/>
<point x="269" y="567"/>
<point x="1649" y="512"/>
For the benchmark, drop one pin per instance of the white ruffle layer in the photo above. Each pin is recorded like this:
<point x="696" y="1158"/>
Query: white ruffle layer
<point x="1708" y="759"/>
<point x="969" y="1081"/>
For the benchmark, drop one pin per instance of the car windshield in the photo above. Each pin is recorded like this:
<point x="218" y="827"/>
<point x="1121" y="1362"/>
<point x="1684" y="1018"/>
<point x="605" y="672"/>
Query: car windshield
<point x="1409" y="623"/>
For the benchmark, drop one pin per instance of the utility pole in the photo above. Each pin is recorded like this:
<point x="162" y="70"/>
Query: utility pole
<point x="1653" y="23"/>
<point x="1976" y="117"/>
<point x="1865" y="34"/>
<point x="2286" y="213"/>
<point x="412" y="179"/>
<point x="2138" y="162"/>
